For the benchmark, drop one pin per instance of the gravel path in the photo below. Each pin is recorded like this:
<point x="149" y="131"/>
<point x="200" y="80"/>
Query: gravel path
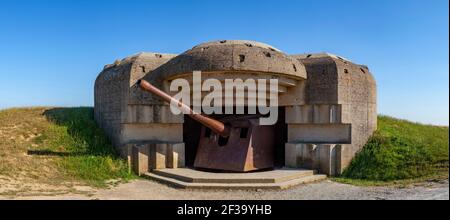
<point x="325" y="190"/>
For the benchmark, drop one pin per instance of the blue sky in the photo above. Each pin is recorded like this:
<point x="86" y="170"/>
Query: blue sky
<point x="52" y="51"/>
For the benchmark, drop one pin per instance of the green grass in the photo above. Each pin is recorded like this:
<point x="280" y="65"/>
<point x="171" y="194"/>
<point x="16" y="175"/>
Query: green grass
<point x="86" y="154"/>
<point x="400" y="151"/>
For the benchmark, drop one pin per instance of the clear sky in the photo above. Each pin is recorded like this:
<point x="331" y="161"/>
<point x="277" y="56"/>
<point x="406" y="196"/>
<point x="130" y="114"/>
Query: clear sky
<point x="52" y="51"/>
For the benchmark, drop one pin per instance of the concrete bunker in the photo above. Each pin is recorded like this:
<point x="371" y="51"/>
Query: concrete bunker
<point x="327" y="105"/>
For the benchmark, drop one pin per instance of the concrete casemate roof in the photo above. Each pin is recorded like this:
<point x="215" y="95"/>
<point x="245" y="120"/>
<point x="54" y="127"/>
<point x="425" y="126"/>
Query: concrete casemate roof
<point x="319" y="55"/>
<point x="140" y="56"/>
<point x="228" y="56"/>
<point x="304" y="58"/>
<point x="149" y="55"/>
<point x="238" y="42"/>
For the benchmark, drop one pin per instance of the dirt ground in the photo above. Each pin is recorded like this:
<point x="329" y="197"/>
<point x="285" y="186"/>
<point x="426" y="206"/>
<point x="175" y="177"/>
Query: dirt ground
<point x="326" y="190"/>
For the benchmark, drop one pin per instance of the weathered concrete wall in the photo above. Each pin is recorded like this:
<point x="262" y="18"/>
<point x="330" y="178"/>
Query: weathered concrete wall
<point x="110" y="99"/>
<point x="115" y="90"/>
<point x="338" y="92"/>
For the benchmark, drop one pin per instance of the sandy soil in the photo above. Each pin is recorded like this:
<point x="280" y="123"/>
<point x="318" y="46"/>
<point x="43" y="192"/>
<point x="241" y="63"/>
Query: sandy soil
<point x="325" y="190"/>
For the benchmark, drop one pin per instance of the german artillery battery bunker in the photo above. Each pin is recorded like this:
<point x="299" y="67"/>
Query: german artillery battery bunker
<point x="327" y="111"/>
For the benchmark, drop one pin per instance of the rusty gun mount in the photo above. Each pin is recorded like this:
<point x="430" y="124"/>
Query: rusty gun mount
<point x="237" y="143"/>
<point x="213" y="124"/>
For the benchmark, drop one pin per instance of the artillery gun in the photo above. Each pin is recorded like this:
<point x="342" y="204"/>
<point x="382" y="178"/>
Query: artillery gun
<point x="236" y="143"/>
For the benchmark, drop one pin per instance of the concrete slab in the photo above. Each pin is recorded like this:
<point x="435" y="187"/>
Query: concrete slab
<point x="193" y="179"/>
<point x="196" y="176"/>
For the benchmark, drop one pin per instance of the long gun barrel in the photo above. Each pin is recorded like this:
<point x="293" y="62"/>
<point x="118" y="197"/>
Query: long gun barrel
<point x="216" y="126"/>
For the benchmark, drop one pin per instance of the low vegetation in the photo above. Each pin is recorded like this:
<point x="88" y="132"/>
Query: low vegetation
<point x="401" y="151"/>
<point x="88" y="153"/>
<point x="55" y="146"/>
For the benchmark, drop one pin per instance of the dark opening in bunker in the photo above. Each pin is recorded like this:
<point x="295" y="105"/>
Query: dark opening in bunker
<point x="243" y="133"/>
<point x="223" y="141"/>
<point x="192" y="133"/>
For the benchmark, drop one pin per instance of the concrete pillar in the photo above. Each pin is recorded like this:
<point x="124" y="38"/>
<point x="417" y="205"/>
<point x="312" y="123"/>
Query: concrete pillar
<point x="315" y="158"/>
<point x="145" y="157"/>
<point x="299" y="155"/>
<point x="140" y="158"/>
<point x="161" y="132"/>
<point x="299" y="114"/>
<point x="175" y="155"/>
<point x="291" y="155"/>
<point x="327" y="158"/>
<point x="321" y="114"/>
<point x="343" y="157"/>
<point x="308" y="124"/>
<point x="167" y="155"/>
<point x="158" y="154"/>
<point x="129" y="148"/>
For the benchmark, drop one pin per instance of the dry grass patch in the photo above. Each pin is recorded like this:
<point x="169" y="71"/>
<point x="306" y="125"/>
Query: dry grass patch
<point x="54" y="150"/>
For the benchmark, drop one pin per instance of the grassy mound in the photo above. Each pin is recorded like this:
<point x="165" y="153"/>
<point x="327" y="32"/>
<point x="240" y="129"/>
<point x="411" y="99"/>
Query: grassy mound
<point x="401" y="150"/>
<point x="91" y="156"/>
<point x="65" y="140"/>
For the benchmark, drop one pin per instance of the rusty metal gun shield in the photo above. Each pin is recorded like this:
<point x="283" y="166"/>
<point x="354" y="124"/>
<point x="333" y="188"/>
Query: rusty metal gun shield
<point x="249" y="147"/>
